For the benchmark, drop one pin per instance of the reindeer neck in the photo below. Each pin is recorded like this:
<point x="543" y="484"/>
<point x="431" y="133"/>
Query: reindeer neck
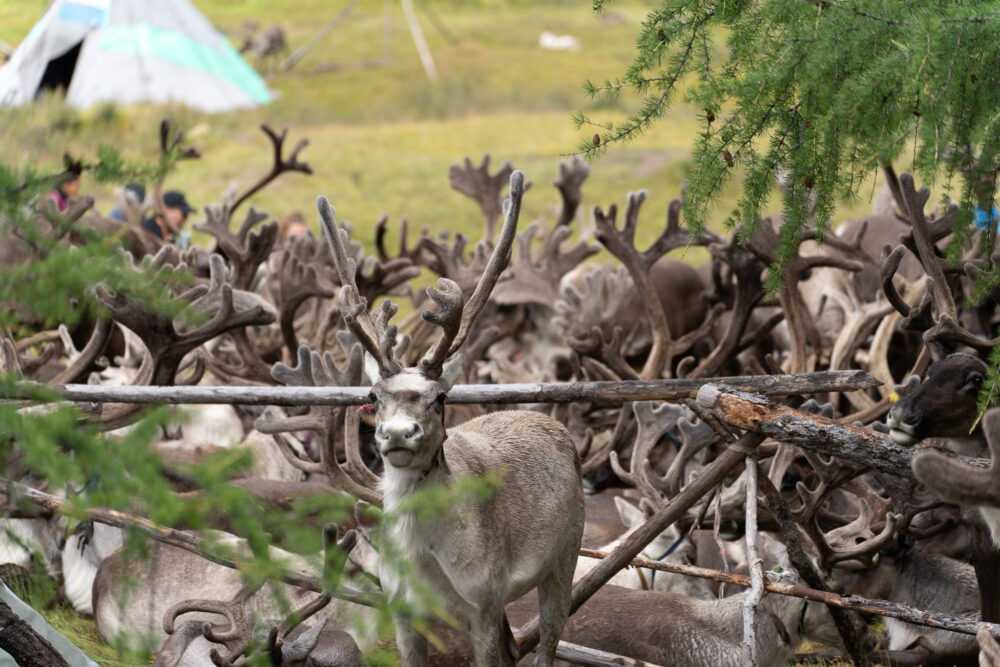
<point x="398" y="483"/>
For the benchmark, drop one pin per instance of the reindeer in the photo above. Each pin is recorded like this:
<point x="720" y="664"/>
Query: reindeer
<point x="266" y="44"/>
<point x="944" y="405"/>
<point x="912" y="575"/>
<point x="528" y="532"/>
<point x="959" y="482"/>
<point x="670" y="629"/>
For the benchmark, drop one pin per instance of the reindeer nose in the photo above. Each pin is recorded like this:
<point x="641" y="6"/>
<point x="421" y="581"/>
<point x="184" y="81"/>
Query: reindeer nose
<point x="394" y="429"/>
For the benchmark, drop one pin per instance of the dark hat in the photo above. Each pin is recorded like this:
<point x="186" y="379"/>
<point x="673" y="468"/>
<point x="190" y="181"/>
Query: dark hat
<point x="175" y="199"/>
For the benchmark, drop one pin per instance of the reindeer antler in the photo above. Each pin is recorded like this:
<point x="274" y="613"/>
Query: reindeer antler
<point x="280" y="166"/>
<point x="571" y="177"/>
<point x="413" y="254"/>
<point x="236" y="637"/>
<point x="536" y="279"/>
<point x="448" y="316"/>
<point x="653" y="424"/>
<point x="485" y="189"/>
<point x="332" y="427"/>
<point x="375" y="334"/>
<point x="244" y="253"/>
<point x="498" y="261"/>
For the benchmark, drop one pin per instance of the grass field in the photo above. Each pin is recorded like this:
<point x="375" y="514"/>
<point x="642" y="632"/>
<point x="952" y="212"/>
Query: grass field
<point x="382" y="139"/>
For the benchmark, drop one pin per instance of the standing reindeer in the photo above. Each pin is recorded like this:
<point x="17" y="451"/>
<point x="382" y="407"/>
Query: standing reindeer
<point x="528" y="532"/>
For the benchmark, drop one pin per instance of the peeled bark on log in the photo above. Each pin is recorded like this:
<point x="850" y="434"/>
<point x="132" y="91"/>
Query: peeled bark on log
<point x="819" y="434"/>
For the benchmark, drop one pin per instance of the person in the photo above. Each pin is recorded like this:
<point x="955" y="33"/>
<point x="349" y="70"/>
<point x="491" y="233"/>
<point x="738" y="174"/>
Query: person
<point x="68" y="187"/>
<point x="170" y="225"/>
<point x="293" y="224"/>
<point x="130" y="203"/>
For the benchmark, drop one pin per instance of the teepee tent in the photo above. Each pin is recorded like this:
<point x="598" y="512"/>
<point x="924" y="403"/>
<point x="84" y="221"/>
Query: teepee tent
<point x="127" y="51"/>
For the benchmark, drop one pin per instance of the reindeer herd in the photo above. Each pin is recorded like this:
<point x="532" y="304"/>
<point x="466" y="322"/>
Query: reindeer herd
<point x="528" y="306"/>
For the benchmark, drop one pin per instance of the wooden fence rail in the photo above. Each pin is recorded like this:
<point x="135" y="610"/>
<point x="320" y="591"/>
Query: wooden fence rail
<point x="530" y="392"/>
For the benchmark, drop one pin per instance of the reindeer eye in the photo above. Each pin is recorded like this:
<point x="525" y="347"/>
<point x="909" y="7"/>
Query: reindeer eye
<point x="372" y="398"/>
<point x="974" y="382"/>
<point x="441" y="398"/>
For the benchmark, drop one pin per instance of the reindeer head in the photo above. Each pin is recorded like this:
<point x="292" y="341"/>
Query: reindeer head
<point x="944" y="404"/>
<point x="409" y="413"/>
<point x="409" y="402"/>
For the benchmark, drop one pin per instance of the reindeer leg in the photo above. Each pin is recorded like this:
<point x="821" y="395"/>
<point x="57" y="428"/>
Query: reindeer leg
<point x="411" y="645"/>
<point x="489" y="643"/>
<point x="555" y="594"/>
<point x="986" y="560"/>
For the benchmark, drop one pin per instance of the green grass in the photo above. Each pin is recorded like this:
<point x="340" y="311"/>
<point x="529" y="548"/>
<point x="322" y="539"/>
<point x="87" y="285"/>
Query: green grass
<point x="382" y="139"/>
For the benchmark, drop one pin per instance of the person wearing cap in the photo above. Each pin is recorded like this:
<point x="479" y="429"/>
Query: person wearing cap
<point x="170" y="225"/>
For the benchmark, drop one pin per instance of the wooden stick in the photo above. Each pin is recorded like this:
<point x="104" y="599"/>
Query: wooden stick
<point x="529" y="392"/>
<point x="647" y="532"/>
<point x="819" y="434"/>
<point x="809" y="573"/>
<point x="930" y="619"/>
<point x="752" y="601"/>
<point x="592" y="657"/>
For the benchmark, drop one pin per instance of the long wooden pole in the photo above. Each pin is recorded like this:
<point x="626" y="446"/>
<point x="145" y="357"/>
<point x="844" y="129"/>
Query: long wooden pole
<point x="528" y="392"/>
<point x="930" y="619"/>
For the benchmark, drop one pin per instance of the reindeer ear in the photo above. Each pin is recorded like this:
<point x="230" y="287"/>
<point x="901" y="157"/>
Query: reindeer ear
<point x="451" y="372"/>
<point x="302" y="646"/>
<point x="629" y="514"/>
<point x="371" y="369"/>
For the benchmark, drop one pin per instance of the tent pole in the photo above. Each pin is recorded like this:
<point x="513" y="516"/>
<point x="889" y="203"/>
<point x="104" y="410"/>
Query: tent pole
<point x="323" y="32"/>
<point x="418" y="40"/>
<point x="436" y="20"/>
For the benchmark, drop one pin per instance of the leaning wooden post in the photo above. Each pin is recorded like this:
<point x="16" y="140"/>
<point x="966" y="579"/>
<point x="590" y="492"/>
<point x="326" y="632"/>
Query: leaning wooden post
<point x="857" y="444"/>
<point x="647" y="532"/>
<point x="752" y="601"/>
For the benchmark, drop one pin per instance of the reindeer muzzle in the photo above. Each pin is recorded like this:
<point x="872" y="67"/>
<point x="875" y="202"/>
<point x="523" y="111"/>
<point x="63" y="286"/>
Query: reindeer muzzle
<point x="399" y="441"/>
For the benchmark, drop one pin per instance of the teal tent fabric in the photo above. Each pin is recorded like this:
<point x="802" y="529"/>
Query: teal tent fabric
<point x="129" y="51"/>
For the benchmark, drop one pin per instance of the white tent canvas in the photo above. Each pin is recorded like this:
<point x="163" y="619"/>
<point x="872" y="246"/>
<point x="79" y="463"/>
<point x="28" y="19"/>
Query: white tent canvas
<point x="127" y="51"/>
